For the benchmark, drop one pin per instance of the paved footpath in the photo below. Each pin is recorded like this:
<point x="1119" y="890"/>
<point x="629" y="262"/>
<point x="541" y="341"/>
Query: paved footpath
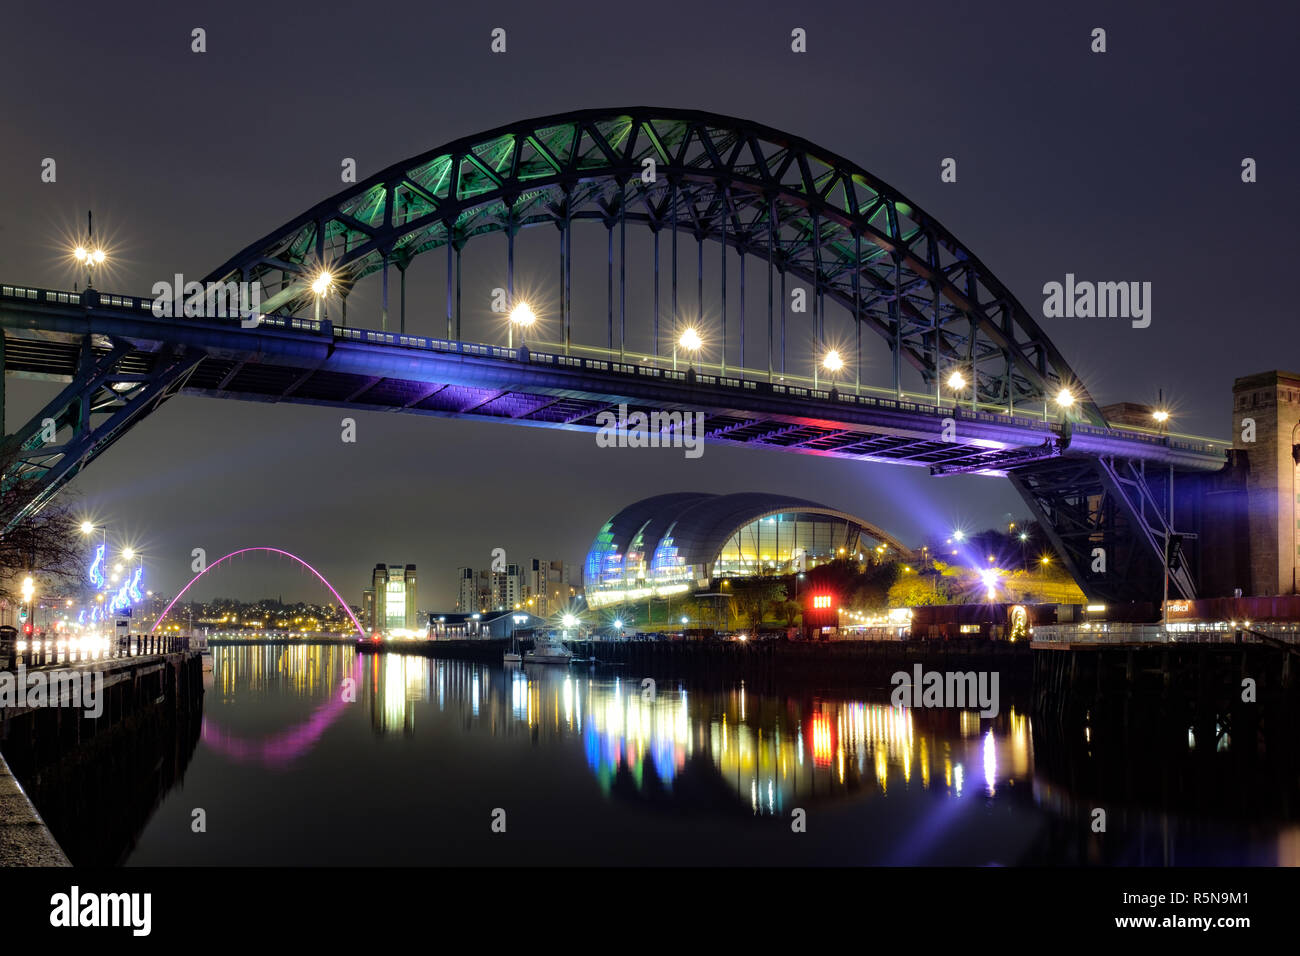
<point x="24" y="838"/>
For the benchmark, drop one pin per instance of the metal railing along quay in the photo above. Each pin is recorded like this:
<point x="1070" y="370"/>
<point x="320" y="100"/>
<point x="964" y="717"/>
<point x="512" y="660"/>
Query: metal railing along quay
<point x="63" y="651"/>
<point x="1218" y="632"/>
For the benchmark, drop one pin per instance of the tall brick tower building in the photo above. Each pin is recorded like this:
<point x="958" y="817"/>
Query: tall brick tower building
<point x="1271" y="401"/>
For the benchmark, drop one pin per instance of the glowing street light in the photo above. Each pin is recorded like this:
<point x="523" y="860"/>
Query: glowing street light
<point x="320" y="287"/>
<point x="957" y="382"/>
<point x="1065" y="398"/>
<point x="128" y="553"/>
<point x="87" y="527"/>
<point x="522" y="316"/>
<point x="29" y="589"/>
<point x="89" y="258"/>
<point x="689" y="340"/>
<point x="959" y="534"/>
<point x="832" y="362"/>
<point x="989" y="578"/>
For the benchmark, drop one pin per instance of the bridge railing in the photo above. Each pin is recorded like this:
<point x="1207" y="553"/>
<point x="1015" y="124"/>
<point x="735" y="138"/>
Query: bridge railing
<point x="739" y="378"/>
<point x="145" y="304"/>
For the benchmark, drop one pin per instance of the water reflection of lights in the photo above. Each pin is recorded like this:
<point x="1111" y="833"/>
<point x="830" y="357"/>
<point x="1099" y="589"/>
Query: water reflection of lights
<point x="627" y="733"/>
<point x="313" y="671"/>
<point x="990" y="764"/>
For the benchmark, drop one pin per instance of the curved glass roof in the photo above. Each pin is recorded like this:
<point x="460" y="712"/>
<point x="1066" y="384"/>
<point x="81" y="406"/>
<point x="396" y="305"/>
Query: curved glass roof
<point x="658" y="538"/>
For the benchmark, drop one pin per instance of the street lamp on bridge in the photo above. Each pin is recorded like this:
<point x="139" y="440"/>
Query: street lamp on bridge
<point x="957" y="382"/>
<point x="320" y="287"/>
<point x="89" y="254"/>
<point x="690" y="341"/>
<point x="522" y="316"/>
<point x="832" y="362"/>
<point x="90" y="259"/>
<point x="1064" y="400"/>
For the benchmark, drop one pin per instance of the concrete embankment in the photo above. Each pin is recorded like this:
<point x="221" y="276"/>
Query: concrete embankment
<point x="840" y="664"/>
<point x="482" y="651"/>
<point x="25" y="840"/>
<point x="89" y="754"/>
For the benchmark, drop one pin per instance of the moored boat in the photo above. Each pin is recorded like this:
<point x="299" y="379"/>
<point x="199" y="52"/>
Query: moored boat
<point x="548" y="651"/>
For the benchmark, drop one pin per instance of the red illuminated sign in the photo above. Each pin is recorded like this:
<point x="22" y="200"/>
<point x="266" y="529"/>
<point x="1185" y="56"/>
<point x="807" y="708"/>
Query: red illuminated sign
<point x="821" y="611"/>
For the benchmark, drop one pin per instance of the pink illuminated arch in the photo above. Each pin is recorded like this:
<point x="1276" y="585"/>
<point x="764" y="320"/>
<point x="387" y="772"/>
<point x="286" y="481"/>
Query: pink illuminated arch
<point x="342" y="603"/>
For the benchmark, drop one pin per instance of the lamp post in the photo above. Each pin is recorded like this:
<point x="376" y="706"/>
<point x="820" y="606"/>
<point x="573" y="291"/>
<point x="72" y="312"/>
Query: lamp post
<point x="832" y="362"/>
<point x="1064" y="399"/>
<point x="689" y="340"/>
<point x="522" y="316"/>
<point x="320" y="287"/>
<point x="29" y="592"/>
<point x="957" y="382"/>
<point x="89" y="255"/>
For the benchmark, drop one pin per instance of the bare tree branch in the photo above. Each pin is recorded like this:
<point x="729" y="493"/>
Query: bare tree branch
<point x="46" y="545"/>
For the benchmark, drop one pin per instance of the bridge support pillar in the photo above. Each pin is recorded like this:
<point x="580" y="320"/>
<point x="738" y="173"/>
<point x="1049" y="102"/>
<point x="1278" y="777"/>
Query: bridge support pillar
<point x="1109" y="521"/>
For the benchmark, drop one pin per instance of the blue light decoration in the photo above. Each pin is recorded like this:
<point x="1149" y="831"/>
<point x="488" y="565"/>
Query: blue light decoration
<point x="114" y="601"/>
<point x="81" y="618"/>
<point x="97" y="569"/>
<point x="122" y="599"/>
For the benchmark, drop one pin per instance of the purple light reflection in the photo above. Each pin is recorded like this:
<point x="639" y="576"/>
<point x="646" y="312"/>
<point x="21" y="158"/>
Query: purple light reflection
<point x="281" y="748"/>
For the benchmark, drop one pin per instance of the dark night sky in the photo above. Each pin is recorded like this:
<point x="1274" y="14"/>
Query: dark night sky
<point x="1122" y="166"/>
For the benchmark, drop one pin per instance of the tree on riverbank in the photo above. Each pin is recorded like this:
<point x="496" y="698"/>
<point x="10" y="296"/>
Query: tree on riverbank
<point x="47" y="545"/>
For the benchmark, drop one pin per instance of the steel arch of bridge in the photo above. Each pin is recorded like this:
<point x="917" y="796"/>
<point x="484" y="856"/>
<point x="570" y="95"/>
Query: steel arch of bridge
<point x="803" y="210"/>
<point x="361" y="631"/>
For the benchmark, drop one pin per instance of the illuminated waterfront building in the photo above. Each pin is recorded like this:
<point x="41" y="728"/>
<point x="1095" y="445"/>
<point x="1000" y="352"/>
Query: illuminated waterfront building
<point x="677" y="543"/>
<point x="507" y="588"/>
<point x="546" y="586"/>
<point x="389" y="603"/>
<point x="539" y="586"/>
<point x="473" y="590"/>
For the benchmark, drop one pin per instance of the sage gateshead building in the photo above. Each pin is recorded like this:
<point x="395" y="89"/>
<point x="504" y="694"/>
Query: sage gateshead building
<point x="678" y="543"/>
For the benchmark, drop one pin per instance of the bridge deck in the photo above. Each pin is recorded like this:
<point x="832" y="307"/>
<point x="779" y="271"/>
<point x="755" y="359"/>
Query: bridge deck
<point x="291" y="359"/>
